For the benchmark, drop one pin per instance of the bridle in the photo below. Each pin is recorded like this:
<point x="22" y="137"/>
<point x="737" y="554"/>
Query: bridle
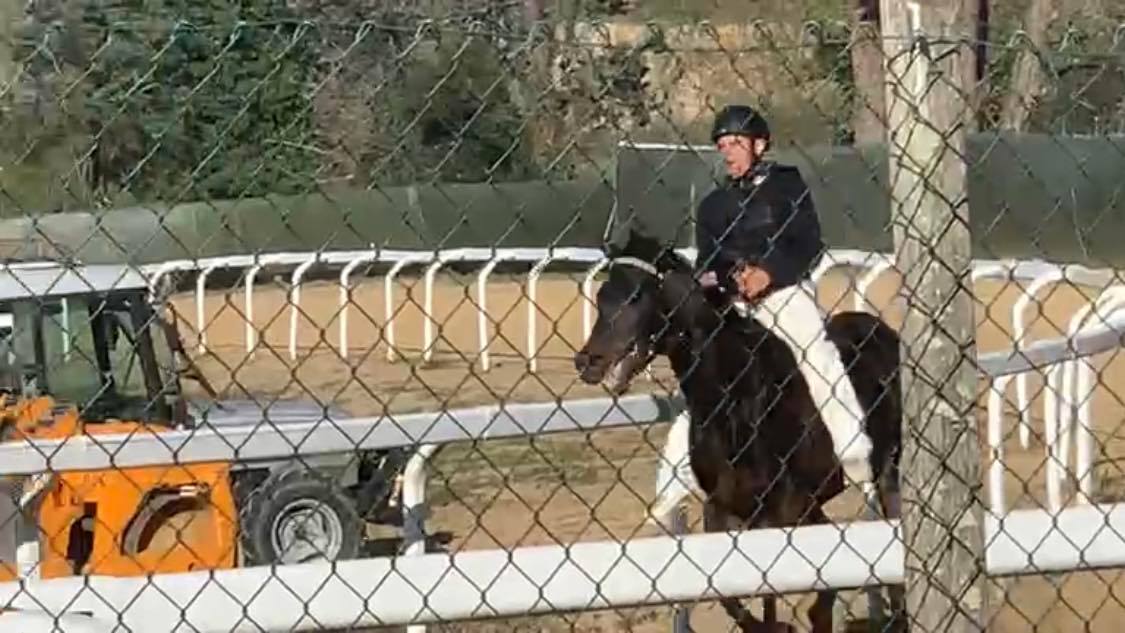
<point x="639" y="264"/>
<point x="652" y="270"/>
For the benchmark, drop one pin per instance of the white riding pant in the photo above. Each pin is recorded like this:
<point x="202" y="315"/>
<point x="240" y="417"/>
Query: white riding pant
<point x="793" y="314"/>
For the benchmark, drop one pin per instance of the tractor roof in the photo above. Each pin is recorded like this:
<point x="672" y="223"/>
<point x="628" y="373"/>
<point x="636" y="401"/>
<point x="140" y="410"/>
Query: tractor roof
<point x="25" y="280"/>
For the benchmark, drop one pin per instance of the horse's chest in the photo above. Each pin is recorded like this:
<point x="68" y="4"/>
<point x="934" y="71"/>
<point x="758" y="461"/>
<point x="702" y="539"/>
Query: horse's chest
<point x="732" y="473"/>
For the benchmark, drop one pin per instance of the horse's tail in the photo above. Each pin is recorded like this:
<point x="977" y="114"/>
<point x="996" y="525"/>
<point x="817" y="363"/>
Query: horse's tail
<point x="871" y="350"/>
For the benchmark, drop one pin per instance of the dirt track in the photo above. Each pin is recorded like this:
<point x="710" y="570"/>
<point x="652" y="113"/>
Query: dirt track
<point x="584" y="487"/>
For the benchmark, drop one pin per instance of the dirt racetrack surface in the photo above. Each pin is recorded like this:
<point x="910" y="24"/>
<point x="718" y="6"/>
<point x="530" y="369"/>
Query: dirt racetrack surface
<point x="571" y="487"/>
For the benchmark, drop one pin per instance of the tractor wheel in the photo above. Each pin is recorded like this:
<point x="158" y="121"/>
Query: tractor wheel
<point x="296" y="516"/>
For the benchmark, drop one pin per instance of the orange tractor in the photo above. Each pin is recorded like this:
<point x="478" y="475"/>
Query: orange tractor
<point x="83" y="351"/>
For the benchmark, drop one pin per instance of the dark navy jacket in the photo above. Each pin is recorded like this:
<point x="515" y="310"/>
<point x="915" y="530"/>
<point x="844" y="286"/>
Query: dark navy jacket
<point x="767" y="219"/>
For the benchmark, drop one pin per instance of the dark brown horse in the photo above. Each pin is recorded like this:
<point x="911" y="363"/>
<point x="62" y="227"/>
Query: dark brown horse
<point x="758" y="448"/>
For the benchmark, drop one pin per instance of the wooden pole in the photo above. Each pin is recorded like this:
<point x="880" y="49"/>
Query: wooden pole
<point x="928" y="48"/>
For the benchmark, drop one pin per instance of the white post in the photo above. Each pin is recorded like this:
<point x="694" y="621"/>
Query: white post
<point x="345" y="297"/>
<point x="1055" y="457"/>
<point x="996" y="494"/>
<point x="428" y="322"/>
<point x="200" y="308"/>
<point x="532" y="337"/>
<point x="414" y="509"/>
<point x="66" y="329"/>
<point x="1019" y="330"/>
<point x="482" y="311"/>
<point x="248" y="307"/>
<point x="158" y="276"/>
<point x="389" y="300"/>
<point x="295" y="301"/>
<point x="867" y="279"/>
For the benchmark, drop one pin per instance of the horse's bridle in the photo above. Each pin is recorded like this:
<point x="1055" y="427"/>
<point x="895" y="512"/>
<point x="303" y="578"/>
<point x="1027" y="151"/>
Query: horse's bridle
<point x="642" y="265"/>
<point x="639" y="264"/>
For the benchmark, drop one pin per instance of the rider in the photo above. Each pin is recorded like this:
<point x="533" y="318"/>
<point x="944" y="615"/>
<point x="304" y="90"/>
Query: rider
<point x="759" y="230"/>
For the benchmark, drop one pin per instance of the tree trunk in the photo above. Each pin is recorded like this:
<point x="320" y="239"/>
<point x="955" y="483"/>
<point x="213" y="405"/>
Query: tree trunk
<point x="869" y="115"/>
<point x="533" y="10"/>
<point x="1028" y="79"/>
<point x="928" y="96"/>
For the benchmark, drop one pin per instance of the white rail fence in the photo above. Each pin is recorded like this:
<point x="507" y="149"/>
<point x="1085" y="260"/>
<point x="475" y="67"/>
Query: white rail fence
<point x="588" y="575"/>
<point x="1067" y="401"/>
<point x="398" y="260"/>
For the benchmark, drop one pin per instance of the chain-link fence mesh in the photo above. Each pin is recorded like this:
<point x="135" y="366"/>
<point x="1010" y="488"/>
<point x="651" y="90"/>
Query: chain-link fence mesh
<point x="346" y="315"/>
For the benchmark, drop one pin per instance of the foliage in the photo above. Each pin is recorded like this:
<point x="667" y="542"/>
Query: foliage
<point x="178" y="100"/>
<point x="448" y="114"/>
<point x="204" y="99"/>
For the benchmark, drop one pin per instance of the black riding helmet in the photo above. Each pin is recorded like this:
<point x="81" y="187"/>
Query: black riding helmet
<point x="739" y="119"/>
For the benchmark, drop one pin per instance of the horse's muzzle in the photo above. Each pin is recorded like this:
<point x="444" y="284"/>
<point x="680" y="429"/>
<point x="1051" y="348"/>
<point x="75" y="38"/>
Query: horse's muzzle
<point x="589" y="369"/>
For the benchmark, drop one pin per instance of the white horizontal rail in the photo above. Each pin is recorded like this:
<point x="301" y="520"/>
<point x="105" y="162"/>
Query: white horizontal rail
<point x="40" y="622"/>
<point x="323" y="436"/>
<point x="1022" y="269"/>
<point x="580" y="576"/>
<point x="319" y="436"/>
<point x="874" y="263"/>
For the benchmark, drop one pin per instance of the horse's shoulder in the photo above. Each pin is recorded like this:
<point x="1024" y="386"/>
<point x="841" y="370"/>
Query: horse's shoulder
<point x="749" y="336"/>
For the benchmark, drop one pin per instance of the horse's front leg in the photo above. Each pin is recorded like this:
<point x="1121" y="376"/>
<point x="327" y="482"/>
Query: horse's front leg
<point x="769" y="609"/>
<point x="820" y="613"/>
<point x="890" y="500"/>
<point x="715" y="520"/>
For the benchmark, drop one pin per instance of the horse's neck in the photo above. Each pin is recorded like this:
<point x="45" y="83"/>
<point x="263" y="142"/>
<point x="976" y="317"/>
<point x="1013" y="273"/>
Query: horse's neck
<point x="710" y="353"/>
<point x="704" y="361"/>
<point x="722" y="392"/>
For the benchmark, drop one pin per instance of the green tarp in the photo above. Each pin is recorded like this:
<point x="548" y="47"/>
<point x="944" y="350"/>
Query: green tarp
<point x="1029" y="196"/>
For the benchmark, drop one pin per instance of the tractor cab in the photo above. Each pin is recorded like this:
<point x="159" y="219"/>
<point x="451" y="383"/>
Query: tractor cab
<point x="84" y="349"/>
<point x="87" y="336"/>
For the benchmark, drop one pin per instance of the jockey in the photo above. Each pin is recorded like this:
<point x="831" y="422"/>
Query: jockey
<point x="759" y="240"/>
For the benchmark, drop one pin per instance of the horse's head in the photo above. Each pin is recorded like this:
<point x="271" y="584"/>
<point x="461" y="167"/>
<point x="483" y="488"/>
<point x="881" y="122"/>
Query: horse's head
<point x="640" y="310"/>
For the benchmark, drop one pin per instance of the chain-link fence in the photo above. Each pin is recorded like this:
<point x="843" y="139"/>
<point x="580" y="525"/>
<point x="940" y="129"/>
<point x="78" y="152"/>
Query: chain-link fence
<point x="351" y="316"/>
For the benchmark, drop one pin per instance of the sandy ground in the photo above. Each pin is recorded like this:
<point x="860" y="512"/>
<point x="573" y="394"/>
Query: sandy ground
<point x="573" y="487"/>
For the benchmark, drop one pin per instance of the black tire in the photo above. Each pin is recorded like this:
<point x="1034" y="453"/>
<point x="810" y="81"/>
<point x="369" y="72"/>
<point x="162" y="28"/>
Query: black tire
<point x="294" y="516"/>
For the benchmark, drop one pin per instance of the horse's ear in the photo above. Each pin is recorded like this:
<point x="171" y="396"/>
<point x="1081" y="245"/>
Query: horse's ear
<point x="613" y="250"/>
<point x="631" y="240"/>
<point x="634" y="239"/>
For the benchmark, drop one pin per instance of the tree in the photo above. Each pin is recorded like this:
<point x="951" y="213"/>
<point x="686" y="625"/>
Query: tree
<point x="201" y="99"/>
<point x="1028" y="79"/>
<point x="168" y="100"/>
<point x="869" y="116"/>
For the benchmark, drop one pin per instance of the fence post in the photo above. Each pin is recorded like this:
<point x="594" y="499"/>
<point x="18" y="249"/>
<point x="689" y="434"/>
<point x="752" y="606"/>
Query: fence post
<point x="928" y="51"/>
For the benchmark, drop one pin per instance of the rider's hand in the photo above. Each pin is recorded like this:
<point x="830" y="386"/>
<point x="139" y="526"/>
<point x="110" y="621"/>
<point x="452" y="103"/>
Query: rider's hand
<point x="752" y="281"/>
<point x="709" y="279"/>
